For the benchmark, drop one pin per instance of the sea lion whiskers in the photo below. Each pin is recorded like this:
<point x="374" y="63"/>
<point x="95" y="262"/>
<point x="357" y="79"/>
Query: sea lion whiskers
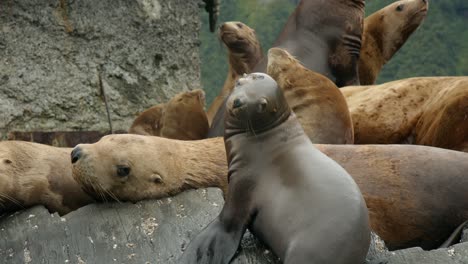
<point x="4" y="197"/>
<point x="111" y="194"/>
<point x="250" y="127"/>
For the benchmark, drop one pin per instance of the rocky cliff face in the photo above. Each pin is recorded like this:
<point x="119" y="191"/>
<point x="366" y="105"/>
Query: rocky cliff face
<point x="57" y="57"/>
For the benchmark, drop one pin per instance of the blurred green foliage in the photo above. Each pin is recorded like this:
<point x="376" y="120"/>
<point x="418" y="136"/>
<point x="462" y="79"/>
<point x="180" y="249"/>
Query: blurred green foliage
<point x="439" y="47"/>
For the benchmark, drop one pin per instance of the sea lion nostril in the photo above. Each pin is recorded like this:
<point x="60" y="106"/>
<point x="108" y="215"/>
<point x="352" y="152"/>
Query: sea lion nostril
<point x="237" y="103"/>
<point x="75" y="154"/>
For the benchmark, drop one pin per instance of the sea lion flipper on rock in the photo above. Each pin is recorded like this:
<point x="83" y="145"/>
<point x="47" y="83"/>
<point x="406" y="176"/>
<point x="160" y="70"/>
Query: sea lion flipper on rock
<point x="215" y="244"/>
<point x="219" y="241"/>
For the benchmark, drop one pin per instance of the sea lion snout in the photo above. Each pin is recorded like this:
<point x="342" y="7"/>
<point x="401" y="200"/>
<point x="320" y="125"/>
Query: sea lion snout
<point x="76" y="154"/>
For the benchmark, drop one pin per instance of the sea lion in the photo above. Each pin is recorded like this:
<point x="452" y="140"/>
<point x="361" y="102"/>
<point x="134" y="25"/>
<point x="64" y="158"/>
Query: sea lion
<point x="148" y="122"/>
<point x="420" y="111"/>
<point x="117" y="161"/>
<point x="244" y="52"/>
<point x="318" y="104"/>
<point x="35" y="174"/>
<point x="385" y="32"/>
<point x="277" y="176"/>
<point x="411" y="191"/>
<point x="183" y="117"/>
<point x="323" y="35"/>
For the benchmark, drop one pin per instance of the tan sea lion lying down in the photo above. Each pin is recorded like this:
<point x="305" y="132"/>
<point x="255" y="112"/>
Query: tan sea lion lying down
<point x="35" y="174"/>
<point x="416" y="195"/>
<point x="429" y="111"/>
<point x="183" y="117"/>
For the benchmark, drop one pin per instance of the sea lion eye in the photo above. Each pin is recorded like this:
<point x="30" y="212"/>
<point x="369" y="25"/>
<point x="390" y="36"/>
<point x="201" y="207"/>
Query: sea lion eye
<point x="262" y="105"/>
<point x="123" y="171"/>
<point x="400" y="8"/>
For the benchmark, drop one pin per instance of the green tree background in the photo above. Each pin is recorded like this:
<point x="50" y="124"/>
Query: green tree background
<point x="438" y="48"/>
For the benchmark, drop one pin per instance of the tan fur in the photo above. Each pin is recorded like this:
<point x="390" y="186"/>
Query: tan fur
<point x="148" y="122"/>
<point x="317" y="102"/>
<point x="427" y="111"/>
<point x="158" y="167"/>
<point x="244" y="52"/>
<point x="409" y="200"/>
<point x="385" y="32"/>
<point x="183" y="117"/>
<point x="33" y="174"/>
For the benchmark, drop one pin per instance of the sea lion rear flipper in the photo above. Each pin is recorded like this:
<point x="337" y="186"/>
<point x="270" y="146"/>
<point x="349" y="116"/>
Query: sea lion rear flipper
<point x="455" y="236"/>
<point x="217" y="243"/>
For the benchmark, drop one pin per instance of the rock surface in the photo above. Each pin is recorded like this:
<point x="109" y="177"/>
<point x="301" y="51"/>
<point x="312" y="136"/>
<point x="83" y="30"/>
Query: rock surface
<point x="56" y="57"/>
<point x="153" y="231"/>
<point x="146" y="232"/>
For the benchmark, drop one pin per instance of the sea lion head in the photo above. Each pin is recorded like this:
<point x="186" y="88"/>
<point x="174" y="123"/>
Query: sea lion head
<point x="399" y="20"/>
<point x="243" y="45"/>
<point x="255" y="105"/>
<point x="122" y="167"/>
<point x="6" y="168"/>
<point x="184" y="116"/>
<point x="127" y="167"/>
<point x="190" y="99"/>
<point x="279" y="60"/>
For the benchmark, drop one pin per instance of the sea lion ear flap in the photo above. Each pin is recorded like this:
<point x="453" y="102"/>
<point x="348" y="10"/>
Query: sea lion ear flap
<point x="156" y="178"/>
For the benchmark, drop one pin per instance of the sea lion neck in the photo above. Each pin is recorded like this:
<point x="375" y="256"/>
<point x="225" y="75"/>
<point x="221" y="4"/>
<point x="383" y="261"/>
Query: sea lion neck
<point x="264" y="142"/>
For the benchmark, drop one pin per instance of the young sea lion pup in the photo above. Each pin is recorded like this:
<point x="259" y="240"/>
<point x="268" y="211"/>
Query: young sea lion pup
<point x="244" y="52"/>
<point x="183" y="117"/>
<point x="293" y="197"/>
<point x="385" y="32"/>
<point x="318" y="104"/>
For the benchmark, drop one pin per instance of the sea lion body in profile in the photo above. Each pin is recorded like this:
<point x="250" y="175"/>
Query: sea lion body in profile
<point x="325" y="36"/>
<point x="244" y="52"/>
<point x="35" y="174"/>
<point x="293" y="197"/>
<point x="411" y="191"/>
<point x="385" y="32"/>
<point x="423" y="111"/>
<point x="183" y="117"/>
<point x="318" y="104"/>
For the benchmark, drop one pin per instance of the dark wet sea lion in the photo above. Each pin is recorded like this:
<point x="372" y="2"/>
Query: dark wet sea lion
<point x="385" y="32"/>
<point x="293" y="197"/>
<point x="411" y="191"/>
<point x="244" y="52"/>
<point x="183" y="117"/>
<point x="318" y="104"/>
<point x="35" y="174"/>
<point x="323" y="35"/>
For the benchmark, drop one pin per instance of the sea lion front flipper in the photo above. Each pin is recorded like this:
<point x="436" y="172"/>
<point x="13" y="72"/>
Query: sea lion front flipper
<point x="217" y="243"/>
